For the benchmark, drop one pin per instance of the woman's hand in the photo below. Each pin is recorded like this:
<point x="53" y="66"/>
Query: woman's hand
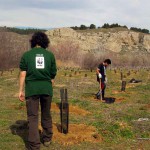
<point x="52" y="82"/>
<point x="21" y="96"/>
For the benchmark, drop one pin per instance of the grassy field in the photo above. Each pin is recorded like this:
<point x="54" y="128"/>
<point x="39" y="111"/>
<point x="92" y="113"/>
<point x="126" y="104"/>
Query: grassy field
<point x="121" y="125"/>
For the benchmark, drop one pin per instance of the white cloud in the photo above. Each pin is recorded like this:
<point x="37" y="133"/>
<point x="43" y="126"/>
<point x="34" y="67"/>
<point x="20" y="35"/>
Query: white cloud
<point x="60" y="13"/>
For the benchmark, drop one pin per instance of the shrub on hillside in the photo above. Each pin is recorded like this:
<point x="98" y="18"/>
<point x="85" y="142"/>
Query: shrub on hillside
<point x="11" y="49"/>
<point x="66" y="51"/>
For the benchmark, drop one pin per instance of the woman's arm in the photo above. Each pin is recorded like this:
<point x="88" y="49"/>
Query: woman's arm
<point x="21" y="85"/>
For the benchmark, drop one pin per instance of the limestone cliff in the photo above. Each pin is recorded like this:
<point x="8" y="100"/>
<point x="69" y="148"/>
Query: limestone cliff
<point x="121" y="41"/>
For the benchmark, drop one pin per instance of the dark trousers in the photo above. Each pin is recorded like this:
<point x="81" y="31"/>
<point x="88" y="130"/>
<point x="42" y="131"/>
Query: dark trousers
<point x="32" y="104"/>
<point x="103" y="87"/>
<point x="103" y="91"/>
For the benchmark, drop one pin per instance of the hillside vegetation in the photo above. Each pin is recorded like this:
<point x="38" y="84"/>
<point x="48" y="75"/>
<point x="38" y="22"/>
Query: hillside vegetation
<point x="25" y="31"/>
<point x="85" y="48"/>
<point x="105" y="30"/>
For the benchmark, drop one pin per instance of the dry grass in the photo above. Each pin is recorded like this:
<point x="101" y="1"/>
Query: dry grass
<point x="93" y="124"/>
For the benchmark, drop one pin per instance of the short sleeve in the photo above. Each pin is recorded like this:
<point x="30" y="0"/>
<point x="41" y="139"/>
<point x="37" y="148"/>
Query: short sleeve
<point x="23" y="64"/>
<point x="98" y="67"/>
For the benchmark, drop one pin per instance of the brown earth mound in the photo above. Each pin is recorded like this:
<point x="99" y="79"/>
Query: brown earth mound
<point x="120" y="99"/>
<point x="72" y="109"/>
<point x="55" y="107"/>
<point x="147" y="107"/>
<point x="118" y="92"/>
<point x="77" y="133"/>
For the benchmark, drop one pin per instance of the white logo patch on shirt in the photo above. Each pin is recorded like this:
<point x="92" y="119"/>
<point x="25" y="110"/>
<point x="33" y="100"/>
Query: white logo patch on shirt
<point x="39" y="62"/>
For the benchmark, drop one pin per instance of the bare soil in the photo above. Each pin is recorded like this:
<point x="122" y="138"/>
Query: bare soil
<point x="119" y="99"/>
<point x="72" y="109"/>
<point x="77" y="134"/>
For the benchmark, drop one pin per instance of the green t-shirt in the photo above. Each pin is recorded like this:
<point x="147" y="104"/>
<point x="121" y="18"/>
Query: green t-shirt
<point x="40" y="66"/>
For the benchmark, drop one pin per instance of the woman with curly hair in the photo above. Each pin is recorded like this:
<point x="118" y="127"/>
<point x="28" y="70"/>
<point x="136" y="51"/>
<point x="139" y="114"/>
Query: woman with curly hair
<point x="37" y="72"/>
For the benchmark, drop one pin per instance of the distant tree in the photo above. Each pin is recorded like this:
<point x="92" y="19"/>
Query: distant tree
<point x="75" y="28"/>
<point x="92" y="26"/>
<point x="135" y="29"/>
<point x="83" y="27"/>
<point x="125" y="26"/>
<point x="106" y="25"/>
<point x="139" y="30"/>
<point x="145" y="31"/>
<point x="114" y="25"/>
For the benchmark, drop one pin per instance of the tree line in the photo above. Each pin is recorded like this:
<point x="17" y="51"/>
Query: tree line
<point x="81" y="27"/>
<point x="139" y="30"/>
<point x="107" y="26"/>
<point x="25" y="31"/>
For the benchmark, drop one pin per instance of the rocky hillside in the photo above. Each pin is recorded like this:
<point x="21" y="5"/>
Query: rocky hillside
<point x="120" y="41"/>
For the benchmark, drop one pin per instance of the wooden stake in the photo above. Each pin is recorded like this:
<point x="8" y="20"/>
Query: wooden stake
<point x="123" y="87"/>
<point x="64" y="111"/>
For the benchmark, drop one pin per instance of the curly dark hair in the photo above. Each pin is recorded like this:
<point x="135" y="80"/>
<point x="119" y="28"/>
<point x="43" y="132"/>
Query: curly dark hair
<point x="40" y="39"/>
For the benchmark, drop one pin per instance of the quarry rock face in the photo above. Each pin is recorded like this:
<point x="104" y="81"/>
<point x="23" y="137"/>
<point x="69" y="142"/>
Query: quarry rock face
<point x="121" y="41"/>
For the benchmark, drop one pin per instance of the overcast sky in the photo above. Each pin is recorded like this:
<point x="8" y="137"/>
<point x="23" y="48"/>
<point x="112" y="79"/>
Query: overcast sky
<point x="66" y="13"/>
